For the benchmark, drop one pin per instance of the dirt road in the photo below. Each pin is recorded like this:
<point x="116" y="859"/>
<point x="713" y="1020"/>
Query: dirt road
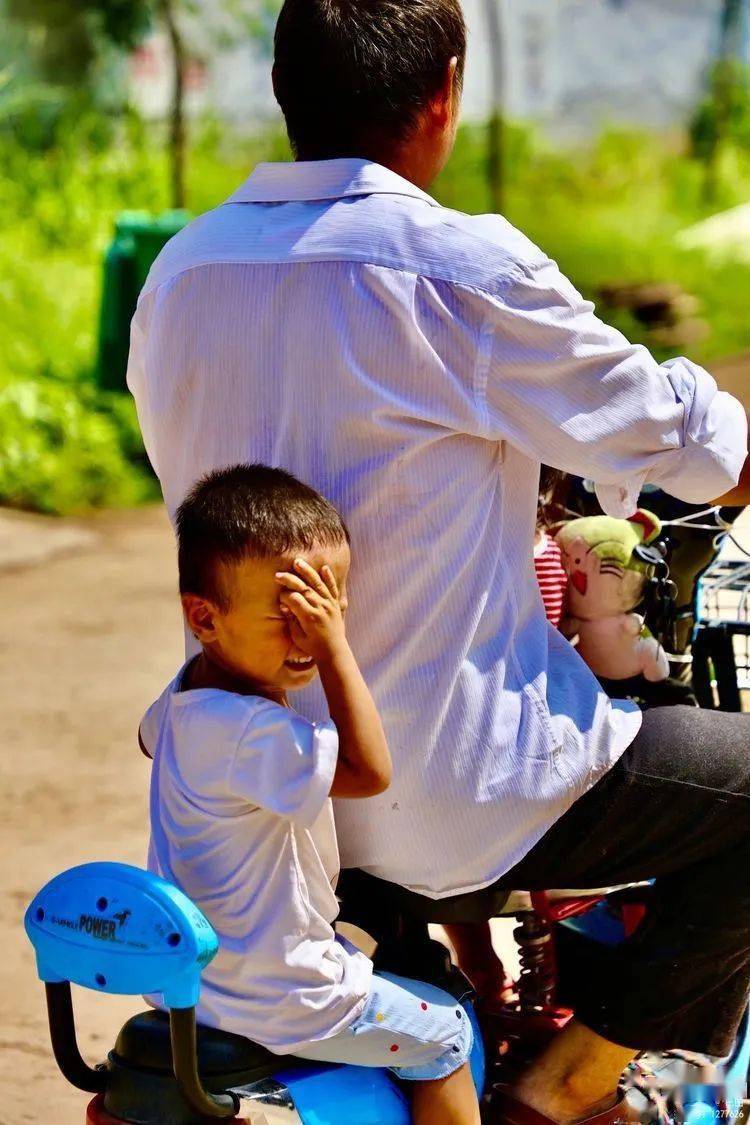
<point x="87" y="641"/>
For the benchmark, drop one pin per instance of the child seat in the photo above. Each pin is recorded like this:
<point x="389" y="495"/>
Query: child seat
<point x="114" y="928"/>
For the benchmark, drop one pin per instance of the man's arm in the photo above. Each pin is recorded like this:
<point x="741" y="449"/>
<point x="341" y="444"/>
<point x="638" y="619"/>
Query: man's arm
<point x="739" y="496"/>
<point x="567" y="389"/>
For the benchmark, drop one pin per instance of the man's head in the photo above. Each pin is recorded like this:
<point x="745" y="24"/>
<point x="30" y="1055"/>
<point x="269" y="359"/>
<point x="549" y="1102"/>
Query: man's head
<point x="236" y="529"/>
<point x="379" y="79"/>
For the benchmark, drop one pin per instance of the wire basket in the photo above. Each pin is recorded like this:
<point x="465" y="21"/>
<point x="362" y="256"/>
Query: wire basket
<point x="723" y="621"/>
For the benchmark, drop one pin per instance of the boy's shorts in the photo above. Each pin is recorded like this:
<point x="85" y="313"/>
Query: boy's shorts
<point x="413" y="1028"/>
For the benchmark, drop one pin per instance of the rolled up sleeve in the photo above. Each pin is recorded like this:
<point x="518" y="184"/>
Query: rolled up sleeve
<point x="572" y="392"/>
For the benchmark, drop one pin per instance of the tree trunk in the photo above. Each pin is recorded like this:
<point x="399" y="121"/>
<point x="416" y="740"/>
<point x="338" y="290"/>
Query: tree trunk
<point x="177" y="110"/>
<point x="495" y="154"/>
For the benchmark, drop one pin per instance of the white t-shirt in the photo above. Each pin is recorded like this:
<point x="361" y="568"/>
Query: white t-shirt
<point x="242" y="822"/>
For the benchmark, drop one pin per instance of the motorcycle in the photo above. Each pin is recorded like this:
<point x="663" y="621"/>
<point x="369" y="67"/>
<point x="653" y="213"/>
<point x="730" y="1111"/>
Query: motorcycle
<point x="116" y="929"/>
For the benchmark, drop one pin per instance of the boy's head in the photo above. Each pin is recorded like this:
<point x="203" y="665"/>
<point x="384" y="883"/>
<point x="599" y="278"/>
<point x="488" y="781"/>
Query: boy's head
<point x="236" y="529"/>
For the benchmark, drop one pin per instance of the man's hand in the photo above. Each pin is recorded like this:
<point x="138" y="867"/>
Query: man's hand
<point x="310" y="601"/>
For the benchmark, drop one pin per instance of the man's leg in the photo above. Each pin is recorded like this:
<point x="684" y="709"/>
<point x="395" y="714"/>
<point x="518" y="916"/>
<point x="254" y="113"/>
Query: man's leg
<point x="472" y="943"/>
<point x="675" y="808"/>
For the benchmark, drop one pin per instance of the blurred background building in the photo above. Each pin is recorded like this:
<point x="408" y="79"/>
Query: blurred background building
<point x="569" y="65"/>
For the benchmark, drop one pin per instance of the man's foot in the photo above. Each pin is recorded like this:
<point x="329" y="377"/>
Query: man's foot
<point x="575" y="1079"/>
<point x="509" y="1110"/>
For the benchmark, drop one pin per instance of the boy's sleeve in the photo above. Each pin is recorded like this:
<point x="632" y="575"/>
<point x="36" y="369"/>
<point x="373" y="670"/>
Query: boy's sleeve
<point x="567" y="389"/>
<point x="150" y="725"/>
<point x="284" y="763"/>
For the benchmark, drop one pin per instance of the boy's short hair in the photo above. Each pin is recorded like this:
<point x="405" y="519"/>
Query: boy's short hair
<point x="248" y="511"/>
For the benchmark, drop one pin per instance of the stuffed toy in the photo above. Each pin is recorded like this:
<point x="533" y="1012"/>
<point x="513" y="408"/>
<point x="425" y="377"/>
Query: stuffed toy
<point x="608" y="564"/>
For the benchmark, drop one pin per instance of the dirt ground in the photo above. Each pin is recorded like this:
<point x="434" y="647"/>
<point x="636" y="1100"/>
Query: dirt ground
<point x="87" y="642"/>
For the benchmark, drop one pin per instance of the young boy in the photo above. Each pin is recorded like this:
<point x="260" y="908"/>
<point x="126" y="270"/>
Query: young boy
<point x="241" y="818"/>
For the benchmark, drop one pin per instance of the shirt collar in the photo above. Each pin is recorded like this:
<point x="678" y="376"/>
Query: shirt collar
<point x="323" y="179"/>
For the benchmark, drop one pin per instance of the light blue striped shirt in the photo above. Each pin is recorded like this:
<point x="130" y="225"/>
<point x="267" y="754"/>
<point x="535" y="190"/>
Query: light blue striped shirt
<point x="416" y="364"/>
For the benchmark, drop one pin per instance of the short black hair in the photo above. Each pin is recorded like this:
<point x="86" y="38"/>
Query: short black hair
<point x="248" y="511"/>
<point x="351" y="76"/>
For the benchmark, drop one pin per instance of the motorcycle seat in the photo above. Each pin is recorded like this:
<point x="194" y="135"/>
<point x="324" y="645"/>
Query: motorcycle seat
<point x="141" y="1085"/>
<point x="364" y="896"/>
<point x="144" y="1044"/>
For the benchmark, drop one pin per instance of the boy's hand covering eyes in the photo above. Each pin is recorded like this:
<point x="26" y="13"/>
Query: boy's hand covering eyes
<point x="310" y="602"/>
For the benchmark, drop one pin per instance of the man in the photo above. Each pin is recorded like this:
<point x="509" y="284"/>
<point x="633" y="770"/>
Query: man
<point x="416" y="365"/>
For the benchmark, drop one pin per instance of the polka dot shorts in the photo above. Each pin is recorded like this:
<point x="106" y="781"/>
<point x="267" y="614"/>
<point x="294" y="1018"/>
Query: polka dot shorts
<point x="416" y="1030"/>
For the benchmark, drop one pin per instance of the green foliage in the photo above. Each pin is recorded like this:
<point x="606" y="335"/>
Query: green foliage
<point x="608" y="214"/>
<point x="65" y="37"/>
<point x="65" y="445"/>
<point x="724" y="113"/>
<point x="65" y="451"/>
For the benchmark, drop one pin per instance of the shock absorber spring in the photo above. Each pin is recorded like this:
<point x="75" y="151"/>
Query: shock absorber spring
<point x="536" y="985"/>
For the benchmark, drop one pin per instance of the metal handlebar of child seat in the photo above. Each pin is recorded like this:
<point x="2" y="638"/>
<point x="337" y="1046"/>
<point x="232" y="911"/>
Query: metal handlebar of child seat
<point x="114" y="928"/>
<point x="62" y="1030"/>
<point x="185" y="1065"/>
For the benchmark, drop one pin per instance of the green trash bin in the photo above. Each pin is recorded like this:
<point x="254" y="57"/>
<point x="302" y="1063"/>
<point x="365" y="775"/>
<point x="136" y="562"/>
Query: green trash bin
<point x="138" y="239"/>
<point x="151" y="237"/>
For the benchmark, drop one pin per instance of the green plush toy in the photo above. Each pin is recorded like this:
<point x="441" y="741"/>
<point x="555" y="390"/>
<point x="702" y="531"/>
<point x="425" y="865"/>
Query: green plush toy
<point x="606" y="582"/>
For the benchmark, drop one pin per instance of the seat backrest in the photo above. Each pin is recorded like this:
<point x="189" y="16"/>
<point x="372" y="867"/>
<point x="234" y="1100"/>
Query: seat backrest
<point x="115" y="928"/>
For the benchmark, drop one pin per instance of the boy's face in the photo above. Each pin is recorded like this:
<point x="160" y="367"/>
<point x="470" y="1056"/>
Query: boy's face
<point x="251" y="638"/>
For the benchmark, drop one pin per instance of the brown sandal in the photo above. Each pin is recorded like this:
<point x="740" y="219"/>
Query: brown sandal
<point x="507" y="1110"/>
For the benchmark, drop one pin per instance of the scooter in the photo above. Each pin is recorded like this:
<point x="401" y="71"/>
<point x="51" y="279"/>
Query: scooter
<point x="115" y="928"/>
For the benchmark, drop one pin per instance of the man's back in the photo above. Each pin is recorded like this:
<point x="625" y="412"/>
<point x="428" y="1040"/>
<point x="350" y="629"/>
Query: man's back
<point x="413" y="365"/>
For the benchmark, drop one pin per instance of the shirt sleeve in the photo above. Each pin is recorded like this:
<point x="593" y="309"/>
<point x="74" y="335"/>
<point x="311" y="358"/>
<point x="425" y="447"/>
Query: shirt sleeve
<point x="150" y="725"/>
<point x="567" y="389"/>
<point x="137" y="383"/>
<point x="285" y="764"/>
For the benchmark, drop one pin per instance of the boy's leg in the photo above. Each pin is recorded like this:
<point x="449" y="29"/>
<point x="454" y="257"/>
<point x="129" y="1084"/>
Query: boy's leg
<point x="423" y="1035"/>
<point x="446" y="1101"/>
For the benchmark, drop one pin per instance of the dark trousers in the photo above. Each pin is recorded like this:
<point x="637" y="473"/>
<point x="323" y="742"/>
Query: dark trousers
<point x="676" y="808"/>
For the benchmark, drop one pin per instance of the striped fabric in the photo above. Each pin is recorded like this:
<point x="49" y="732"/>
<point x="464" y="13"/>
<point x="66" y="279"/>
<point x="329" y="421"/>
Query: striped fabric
<point x="416" y="365"/>
<point x="551" y="576"/>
